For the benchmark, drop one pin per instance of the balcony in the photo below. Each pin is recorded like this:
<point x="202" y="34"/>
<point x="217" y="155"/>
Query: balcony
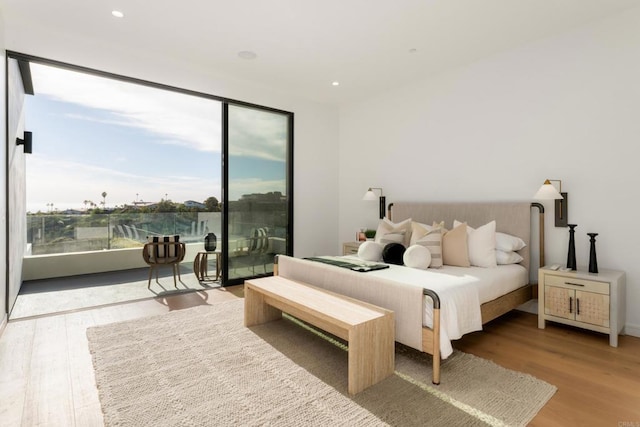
<point x="61" y="245"/>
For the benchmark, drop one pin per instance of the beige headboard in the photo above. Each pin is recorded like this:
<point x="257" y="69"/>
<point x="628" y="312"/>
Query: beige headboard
<point x="511" y="217"/>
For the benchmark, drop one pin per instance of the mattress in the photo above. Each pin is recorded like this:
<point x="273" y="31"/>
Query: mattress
<point x="400" y="289"/>
<point x="461" y="290"/>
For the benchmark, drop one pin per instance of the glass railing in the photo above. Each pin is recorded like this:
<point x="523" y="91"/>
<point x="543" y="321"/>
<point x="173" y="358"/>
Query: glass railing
<point x="60" y="233"/>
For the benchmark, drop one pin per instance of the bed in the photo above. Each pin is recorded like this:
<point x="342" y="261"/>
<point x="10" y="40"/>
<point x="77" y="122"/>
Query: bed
<point x="434" y="306"/>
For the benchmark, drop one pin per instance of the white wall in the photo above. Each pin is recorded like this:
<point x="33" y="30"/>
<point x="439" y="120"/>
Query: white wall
<point x="316" y="125"/>
<point x="3" y="183"/>
<point x="562" y="108"/>
<point x="17" y="194"/>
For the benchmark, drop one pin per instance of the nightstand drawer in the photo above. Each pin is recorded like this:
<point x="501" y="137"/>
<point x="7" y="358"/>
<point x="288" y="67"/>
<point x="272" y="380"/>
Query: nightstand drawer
<point x="578" y="284"/>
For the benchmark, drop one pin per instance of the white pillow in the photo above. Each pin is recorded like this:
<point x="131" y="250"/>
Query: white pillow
<point x="394" y="230"/>
<point x="481" y="244"/>
<point x="510" y="257"/>
<point x="507" y="243"/>
<point x="370" y="251"/>
<point x="417" y="256"/>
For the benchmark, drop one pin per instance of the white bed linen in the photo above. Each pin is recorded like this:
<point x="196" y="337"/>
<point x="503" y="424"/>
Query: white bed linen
<point x="461" y="291"/>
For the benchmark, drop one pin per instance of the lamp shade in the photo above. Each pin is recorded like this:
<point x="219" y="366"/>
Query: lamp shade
<point x="370" y="196"/>
<point x="547" y="192"/>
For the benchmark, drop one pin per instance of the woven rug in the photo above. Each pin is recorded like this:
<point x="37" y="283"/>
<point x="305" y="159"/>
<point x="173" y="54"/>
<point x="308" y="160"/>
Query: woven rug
<point x="202" y="367"/>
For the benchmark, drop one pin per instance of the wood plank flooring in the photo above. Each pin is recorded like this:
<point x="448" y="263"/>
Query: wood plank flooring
<point x="46" y="375"/>
<point x="598" y="385"/>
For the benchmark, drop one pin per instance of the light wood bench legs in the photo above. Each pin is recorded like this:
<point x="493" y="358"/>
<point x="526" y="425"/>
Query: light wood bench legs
<point x="371" y="336"/>
<point x="369" y="360"/>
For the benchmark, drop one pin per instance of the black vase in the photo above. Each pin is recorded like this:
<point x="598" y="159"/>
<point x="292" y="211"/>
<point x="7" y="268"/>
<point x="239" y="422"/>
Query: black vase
<point x="210" y="242"/>
<point x="571" y="256"/>
<point x="593" y="261"/>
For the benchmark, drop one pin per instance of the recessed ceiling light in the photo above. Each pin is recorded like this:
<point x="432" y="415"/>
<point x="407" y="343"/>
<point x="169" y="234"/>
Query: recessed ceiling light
<point x="117" y="13"/>
<point x="336" y="83"/>
<point x="247" y="54"/>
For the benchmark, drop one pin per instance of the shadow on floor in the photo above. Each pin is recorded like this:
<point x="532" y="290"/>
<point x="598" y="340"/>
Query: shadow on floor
<point x="64" y="294"/>
<point x="100" y="279"/>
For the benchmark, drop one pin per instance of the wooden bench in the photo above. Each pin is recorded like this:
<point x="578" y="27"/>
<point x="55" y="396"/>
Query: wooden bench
<point x="370" y="330"/>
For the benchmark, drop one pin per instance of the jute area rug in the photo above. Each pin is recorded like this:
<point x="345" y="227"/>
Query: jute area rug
<point x="202" y="367"/>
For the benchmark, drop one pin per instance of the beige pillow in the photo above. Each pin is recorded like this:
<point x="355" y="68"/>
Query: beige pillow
<point x="431" y="240"/>
<point x="454" y="247"/>
<point x="418" y="230"/>
<point x="389" y="231"/>
<point x="393" y="237"/>
<point x="481" y="244"/>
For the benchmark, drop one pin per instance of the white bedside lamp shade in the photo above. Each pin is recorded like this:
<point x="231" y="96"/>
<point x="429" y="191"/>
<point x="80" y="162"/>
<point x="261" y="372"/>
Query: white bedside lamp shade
<point x="547" y="192"/>
<point x="370" y="196"/>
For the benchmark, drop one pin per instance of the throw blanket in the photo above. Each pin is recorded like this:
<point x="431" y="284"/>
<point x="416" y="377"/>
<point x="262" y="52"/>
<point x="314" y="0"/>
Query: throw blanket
<point x="459" y="300"/>
<point x="355" y="265"/>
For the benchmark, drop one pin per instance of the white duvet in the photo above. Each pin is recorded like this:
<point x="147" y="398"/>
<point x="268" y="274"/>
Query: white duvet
<point x="461" y="291"/>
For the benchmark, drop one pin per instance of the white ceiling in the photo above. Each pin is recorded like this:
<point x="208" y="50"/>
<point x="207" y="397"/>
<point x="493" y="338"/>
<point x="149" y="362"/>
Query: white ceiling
<point x="302" y="46"/>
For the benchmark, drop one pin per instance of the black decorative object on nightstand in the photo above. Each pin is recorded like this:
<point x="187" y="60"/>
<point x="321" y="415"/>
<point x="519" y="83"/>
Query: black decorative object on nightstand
<point x="571" y="256"/>
<point x="593" y="262"/>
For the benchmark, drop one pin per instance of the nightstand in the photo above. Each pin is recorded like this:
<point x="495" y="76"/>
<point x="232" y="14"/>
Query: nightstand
<point x="350" y="248"/>
<point x="594" y="301"/>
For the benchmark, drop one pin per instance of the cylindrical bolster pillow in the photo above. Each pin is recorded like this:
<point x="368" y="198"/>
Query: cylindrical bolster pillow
<point x="370" y="251"/>
<point x="417" y="256"/>
<point x="392" y="253"/>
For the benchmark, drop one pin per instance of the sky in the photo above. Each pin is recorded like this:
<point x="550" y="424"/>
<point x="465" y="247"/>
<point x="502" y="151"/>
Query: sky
<point x="136" y="143"/>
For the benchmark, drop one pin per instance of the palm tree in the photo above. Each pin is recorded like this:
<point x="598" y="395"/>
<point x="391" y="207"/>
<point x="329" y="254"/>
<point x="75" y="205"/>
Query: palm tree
<point x="104" y="199"/>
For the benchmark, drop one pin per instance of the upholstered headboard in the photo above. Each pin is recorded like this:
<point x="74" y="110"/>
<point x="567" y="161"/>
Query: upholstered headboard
<point x="511" y="217"/>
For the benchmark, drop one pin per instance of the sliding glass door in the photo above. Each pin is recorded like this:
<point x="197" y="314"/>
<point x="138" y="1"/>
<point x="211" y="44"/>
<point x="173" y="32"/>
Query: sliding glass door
<point x="257" y="200"/>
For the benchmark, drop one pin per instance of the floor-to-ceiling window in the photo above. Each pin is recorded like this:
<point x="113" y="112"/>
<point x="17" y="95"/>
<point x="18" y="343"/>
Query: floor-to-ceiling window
<point x="113" y="154"/>
<point x="117" y="162"/>
<point x="258" y="190"/>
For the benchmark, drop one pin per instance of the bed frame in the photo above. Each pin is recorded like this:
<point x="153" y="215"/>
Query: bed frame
<point x="511" y="217"/>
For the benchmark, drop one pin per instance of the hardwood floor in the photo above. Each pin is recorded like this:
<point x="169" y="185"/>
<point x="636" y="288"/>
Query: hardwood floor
<point x="46" y="374"/>
<point x="598" y="385"/>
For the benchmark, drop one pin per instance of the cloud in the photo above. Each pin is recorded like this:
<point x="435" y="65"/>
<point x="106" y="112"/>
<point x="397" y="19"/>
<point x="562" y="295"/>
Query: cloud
<point x="173" y="116"/>
<point x="256" y="128"/>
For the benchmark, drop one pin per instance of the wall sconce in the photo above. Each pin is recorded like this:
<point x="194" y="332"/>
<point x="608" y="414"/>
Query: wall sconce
<point x="549" y="192"/>
<point x="27" y="142"/>
<point x="371" y="196"/>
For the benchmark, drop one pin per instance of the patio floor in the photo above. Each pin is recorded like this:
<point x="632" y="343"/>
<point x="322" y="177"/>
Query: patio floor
<point x="64" y="294"/>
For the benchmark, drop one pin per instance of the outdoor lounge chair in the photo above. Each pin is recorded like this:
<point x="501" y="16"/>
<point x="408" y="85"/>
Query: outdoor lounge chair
<point x="161" y="251"/>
